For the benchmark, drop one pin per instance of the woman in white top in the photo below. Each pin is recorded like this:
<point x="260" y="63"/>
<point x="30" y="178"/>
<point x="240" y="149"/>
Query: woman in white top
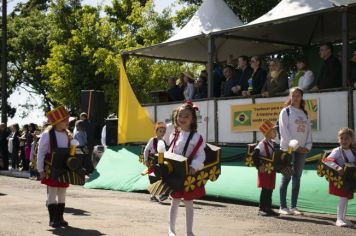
<point x="188" y="86"/>
<point x="304" y="78"/>
<point x="294" y="124"/>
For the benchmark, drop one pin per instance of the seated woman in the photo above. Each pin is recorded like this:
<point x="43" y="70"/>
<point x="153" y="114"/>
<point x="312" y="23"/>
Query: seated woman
<point x="277" y="79"/>
<point x="304" y="78"/>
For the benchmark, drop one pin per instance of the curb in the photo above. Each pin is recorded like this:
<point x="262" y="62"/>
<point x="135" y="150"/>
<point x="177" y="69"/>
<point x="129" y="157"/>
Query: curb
<point x="15" y="173"/>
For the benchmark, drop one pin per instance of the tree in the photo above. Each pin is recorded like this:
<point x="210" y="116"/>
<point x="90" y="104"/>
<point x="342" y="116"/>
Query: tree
<point x="247" y="10"/>
<point x="27" y="48"/>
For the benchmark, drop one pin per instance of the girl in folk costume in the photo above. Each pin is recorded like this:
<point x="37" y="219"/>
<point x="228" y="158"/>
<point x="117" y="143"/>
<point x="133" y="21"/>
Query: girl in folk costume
<point x="151" y="149"/>
<point x="187" y="142"/>
<point x="340" y="156"/>
<point x="56" y="136"/>
<point x="266" y="181"/>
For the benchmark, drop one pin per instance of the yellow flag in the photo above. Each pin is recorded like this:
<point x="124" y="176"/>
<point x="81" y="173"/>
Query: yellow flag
<point x="135" y="124"/>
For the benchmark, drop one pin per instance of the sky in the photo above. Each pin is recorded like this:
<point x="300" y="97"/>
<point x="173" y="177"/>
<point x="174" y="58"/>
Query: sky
<point x="21" y="96"/>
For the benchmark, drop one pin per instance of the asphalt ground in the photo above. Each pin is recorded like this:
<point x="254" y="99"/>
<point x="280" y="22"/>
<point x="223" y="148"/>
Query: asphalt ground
<point x="92" y="212"/>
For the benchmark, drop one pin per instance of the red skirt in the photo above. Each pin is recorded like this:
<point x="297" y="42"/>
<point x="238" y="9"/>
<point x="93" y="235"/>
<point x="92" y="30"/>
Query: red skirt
<point x="54" y="183"/>
<point x="340" y="191"/>
<point x="266" y="180"/>
<point x="198" y="192"/>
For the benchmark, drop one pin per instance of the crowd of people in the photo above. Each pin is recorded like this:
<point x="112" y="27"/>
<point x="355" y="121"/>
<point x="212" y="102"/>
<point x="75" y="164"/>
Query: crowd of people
<point x="18" y="146"/>
<point x="246" y="76"/>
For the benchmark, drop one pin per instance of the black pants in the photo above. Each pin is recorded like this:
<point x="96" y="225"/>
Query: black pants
<point x="266" y="199"/>
<point x="15" y="159"/>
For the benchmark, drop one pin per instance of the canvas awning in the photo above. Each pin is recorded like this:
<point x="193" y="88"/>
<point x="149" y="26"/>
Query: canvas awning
<point x="300" y="23"/>
<point x="291" y="23"/>
<point x="191" y="42"/>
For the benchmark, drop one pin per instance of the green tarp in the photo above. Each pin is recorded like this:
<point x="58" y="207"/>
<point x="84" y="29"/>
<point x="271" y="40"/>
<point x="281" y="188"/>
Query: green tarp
<point x="120" y="170"/>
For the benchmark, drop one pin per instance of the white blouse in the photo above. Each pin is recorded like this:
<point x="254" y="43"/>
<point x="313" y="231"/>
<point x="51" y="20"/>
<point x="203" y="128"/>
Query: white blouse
<point x="336" y="153"/>
<point x="199" y="158"/>
<point x="261" y="147"/>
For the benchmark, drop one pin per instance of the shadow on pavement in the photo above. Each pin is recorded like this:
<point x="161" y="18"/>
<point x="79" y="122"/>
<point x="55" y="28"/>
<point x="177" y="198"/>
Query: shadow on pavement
<point x="3" y="194"/>
<point x="208" y="204"/>
<point x="309" y="219"/>
<point x="72" y="231"/>
<point x="76" y="212"/>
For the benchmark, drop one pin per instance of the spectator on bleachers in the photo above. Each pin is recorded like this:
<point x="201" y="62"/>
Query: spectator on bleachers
<point x="257" y="79"/>
<point x="243" y="75"/>
<point x="352" y="79"/>
<point x="218" y="78"/>
<point x="277" y="79"/>
<point x="230" y="82"/>
<point x="174" y="91"/>
<point x="330" y="72"/>
<point x="201" y="88"/>
<point x="188" y="85"/>
<point x="304" y="78"/>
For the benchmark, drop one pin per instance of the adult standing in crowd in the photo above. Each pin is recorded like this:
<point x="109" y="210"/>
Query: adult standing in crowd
<point x="4" y="153"/>
<point x="304" y="78"/>
<point x="188" y="86"/>
<point x="14" y="145"/>
<point x="243" y="75"/>
<point x="258" y="78"/>
<point x="201" y="86"/>
<point x="218" y="78"/>
<point x="352" y="79"/>
<point x="294" y="124"/>
<point x="28" y="144"/>
<point x="277" y="79"/>
<point x="330" y="72"/>
<point x="230" y="82"/>
<point x="174" y="91"/>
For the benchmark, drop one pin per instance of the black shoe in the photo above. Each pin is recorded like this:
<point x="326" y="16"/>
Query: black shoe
<point x="262" y="213"/>
<point x="62" y="222"/>
<point x="54" y="224"/>
<point x="271" y="212"/>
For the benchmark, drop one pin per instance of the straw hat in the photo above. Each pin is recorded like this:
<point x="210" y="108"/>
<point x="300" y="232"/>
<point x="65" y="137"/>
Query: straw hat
<point x="266" y="127"/>
<point x="57" y="115"/>
<point x="189" y="75"/>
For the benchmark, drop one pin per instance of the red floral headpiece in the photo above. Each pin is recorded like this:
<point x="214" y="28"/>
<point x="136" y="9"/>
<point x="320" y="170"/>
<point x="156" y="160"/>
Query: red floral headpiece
<point x="190" y="103"/>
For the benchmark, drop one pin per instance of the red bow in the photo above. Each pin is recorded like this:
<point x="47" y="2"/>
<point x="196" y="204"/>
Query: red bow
<point x="190" y="103"/>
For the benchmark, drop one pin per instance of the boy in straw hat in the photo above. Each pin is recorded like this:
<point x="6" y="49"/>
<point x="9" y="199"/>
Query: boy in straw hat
<point x="56" y="136"/>
<point x="266" y="181"/>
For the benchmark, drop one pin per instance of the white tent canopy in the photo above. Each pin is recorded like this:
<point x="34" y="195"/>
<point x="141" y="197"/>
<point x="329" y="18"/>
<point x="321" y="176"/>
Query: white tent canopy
<point x="191" y="42"/>
<point x="291" y="23"/>
<point x="212" y="16"/>
<point x="300" y="23"/>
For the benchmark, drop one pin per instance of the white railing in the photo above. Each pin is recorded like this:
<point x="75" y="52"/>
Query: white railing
<point x="215" y="114"/>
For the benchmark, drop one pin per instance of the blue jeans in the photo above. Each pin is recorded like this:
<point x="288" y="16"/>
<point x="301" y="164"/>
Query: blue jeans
<point x="298" y="165"/>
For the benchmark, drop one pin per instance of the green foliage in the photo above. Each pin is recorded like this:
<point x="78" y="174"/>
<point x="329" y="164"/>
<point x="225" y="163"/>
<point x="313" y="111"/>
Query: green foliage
<point x="247" y="10"/>
<point x="59" y="47"/>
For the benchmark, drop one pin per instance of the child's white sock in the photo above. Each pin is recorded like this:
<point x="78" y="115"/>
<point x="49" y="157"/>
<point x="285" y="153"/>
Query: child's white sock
<point x="173" y="211"/>
<point x="341" y="209"/>
<point x="189" y="211"/>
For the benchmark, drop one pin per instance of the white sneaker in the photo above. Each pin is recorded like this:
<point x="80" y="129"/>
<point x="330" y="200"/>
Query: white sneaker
<point x="341" y="223"/>
<point x="295" y="211"/>
<point x="284" y="211"/>
<point x="170" y="233"/>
